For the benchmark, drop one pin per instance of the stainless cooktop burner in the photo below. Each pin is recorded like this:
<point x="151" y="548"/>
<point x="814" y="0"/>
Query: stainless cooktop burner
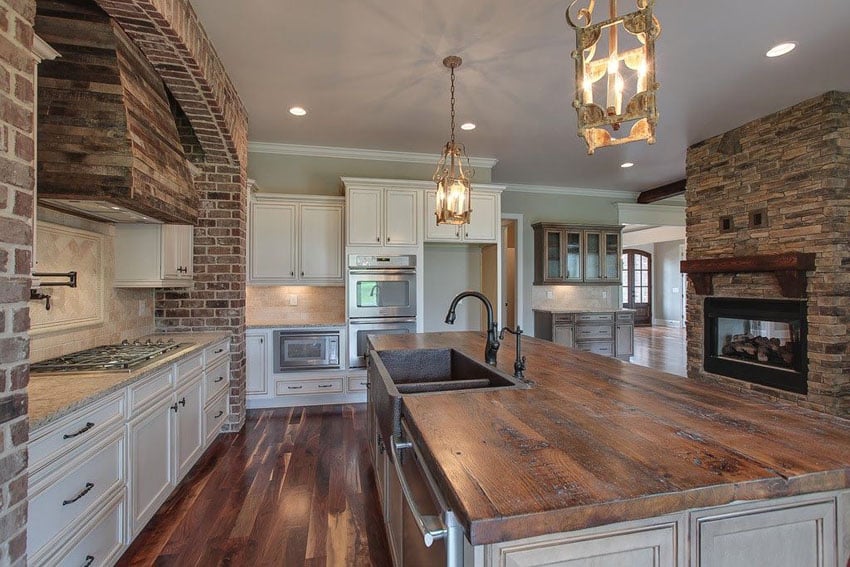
<point x="125" y="356"/>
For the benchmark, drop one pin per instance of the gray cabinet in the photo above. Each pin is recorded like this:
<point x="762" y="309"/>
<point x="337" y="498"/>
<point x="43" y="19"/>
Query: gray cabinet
<point x="576" y="254"/>
<point x="606" y="333"/>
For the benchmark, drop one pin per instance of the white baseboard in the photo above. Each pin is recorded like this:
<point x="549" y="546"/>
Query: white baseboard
<point x="667" y="323"/>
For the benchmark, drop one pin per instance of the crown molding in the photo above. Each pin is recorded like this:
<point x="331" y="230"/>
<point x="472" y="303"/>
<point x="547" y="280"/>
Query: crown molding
<point x="42" y="50"/>
<point x="371" y="182"/>
<point x="357" y="153"/>
<point x="630" y="196"/>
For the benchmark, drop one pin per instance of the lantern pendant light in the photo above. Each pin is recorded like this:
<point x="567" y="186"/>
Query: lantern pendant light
<point x="453" y="171"/>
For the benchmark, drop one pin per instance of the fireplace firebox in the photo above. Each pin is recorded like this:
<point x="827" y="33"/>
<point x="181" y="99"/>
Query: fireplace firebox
<point x="762" y="341"/>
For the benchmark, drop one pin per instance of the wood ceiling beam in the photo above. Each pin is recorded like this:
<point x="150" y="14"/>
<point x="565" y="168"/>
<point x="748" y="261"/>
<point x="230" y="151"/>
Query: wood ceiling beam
<point x="669" y="190"/>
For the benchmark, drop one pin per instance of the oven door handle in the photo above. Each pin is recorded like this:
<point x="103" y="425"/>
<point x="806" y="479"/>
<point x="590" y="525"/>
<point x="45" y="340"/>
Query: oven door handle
<point x="381" y="320"/>
<point x="432" y="527"/>
<point x="382" y="272"/>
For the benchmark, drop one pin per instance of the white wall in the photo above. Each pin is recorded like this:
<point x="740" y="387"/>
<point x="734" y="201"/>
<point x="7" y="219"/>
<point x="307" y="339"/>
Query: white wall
<point x="666" y="303"/>
<point x="449" y="269"/>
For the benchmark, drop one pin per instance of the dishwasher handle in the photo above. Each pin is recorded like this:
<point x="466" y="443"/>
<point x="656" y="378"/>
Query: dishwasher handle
<point x="432" y="527"/>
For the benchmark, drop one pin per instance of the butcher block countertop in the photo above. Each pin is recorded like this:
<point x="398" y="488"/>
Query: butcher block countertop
<point x="597" y="441"/>
<point x="56" y="394"/>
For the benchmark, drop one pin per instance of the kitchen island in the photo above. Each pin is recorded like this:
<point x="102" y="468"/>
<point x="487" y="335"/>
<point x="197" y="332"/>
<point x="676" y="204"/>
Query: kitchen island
<point x="608" y="460"/>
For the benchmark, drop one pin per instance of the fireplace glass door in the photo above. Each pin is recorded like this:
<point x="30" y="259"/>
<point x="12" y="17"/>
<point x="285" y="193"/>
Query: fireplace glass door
<point x="760" y="341"/>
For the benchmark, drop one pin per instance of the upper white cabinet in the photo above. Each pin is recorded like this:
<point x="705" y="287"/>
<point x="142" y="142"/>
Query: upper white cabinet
<point x="483" y="224"/>
<point x="295" y="240"/>
<point x="153" y="255"/>
<point x="379" y="216"/>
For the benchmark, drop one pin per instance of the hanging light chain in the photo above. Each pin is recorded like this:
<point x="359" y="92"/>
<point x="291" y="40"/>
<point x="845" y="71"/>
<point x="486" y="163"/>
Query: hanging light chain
<point x="453" y="106"/>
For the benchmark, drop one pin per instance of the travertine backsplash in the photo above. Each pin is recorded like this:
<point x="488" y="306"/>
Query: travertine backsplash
<point x="575" y="297"/>
<point x="86" y="321"/>
<point x="315" y="305"/>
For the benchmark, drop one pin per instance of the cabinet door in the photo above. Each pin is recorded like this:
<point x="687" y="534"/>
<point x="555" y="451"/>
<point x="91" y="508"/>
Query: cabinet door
<point x="151" y="469"/>
<point x="625" y="340"/>
<point x="189" y="430"/>
<point x="321" y="242"/>
<point x="176" y="251"/>
<point x="400" y="217"/>
<point x="611" y="257"/>
<point x="484" y="222"/>
<point x="572" y="256"/>
<point x="364" y="217"/>
<point x="272" y="242"/>
<point x="592" y="256"/>
<point x="434" y="231"/>
<point x="256" y="364"/>
<point x="564" y="335"/>
<point x="394" y="511"/>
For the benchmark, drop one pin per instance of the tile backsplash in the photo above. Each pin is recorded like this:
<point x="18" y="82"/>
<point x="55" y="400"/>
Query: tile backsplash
<point x="93" y="313"/>
<point x="272" y="305"/>
<point x="575" y="297"/>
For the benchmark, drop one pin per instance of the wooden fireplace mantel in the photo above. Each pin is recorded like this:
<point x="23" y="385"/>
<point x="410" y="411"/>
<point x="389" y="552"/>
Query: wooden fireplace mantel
<point x="789" y="268"/>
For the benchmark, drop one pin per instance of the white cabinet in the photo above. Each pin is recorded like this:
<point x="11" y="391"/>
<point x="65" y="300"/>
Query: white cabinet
<point x="151" y="467"/>
<point x="483" y="224"/>
<point x="295" y="240"/>
<point x="378" y="216"/>
<point x="153" y="255"/>
<point x="188" y="433"/>
<point x="256" y="362"/>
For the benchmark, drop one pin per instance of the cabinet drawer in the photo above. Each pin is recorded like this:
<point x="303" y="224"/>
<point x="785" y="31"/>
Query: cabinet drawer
<point x="188" y="367"/>
<point x="328" y="386"/>
<point x="103" y="542"/>
<point x="563" y="318"/>
<point x="149" y="391"/>
<point x="214" y="417"/>
<point x="625" y="317"/>
<point x="358" y="383"/>
<point x="69" y="495"/>
<point x="594" y="332"/>
<point x="605" y="348"/>
<point x="216" y="351"/>
<point x="217" y="378"/>
<point x="594" y="317"/>
<point x="56" y="439"/>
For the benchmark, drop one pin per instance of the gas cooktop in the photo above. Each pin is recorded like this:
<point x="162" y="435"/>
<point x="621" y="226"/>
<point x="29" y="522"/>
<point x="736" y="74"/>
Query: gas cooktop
<point x="109" y="358"/>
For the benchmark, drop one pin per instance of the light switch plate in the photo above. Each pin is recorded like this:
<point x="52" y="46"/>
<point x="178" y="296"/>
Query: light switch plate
<point x="293" y="300"/>
<point x="675" y="290"/>
<point x="550" y="295"/>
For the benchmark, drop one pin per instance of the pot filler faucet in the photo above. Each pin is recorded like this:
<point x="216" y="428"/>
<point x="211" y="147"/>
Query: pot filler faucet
<point x="492" y="346"/>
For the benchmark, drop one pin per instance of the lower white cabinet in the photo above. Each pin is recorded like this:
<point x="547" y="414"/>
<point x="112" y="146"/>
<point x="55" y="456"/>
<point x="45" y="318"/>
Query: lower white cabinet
<point x="189" y="433"/>
<point x="256" y="362"/>
<point x="151" y="436"/>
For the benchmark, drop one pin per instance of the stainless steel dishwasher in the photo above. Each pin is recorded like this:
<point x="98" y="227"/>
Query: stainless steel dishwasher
<point x="431" y="534"/>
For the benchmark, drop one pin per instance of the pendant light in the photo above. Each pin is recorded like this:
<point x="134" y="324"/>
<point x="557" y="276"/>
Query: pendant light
<point x="453" y="170"/>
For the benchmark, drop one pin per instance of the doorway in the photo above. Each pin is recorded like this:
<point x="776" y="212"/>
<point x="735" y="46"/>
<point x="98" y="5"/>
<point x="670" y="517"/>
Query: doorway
<point x="637" y="285"/>
<point x="511" y="240"/>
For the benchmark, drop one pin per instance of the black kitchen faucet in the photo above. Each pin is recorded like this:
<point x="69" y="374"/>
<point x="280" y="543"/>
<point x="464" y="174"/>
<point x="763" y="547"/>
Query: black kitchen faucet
<point x="492" y="346"/>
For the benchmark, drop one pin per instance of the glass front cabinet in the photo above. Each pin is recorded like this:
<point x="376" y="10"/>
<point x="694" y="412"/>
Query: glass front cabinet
<point x="571" y="254"/>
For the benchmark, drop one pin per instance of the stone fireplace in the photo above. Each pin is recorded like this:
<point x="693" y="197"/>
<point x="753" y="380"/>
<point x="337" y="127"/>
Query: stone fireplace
<point x="779" y="185"/>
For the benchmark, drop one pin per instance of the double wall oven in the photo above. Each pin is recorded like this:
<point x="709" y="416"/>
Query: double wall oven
<point x="381" y="300"/>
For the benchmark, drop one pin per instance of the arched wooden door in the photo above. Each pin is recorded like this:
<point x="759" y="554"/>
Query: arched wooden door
<point x="637" y="285"/>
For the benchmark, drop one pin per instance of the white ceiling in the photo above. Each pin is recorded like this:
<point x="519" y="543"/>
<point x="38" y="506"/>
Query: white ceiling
<point x="371" y="75"/>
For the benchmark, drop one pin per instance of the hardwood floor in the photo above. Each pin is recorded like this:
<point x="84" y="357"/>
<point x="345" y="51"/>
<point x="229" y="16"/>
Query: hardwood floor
<point x="662" y="348"/>
<point x="294" y="487"/>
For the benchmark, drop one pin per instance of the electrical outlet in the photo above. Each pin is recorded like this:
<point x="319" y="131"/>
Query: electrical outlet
<point x="604" y="295"/>
<point x="550" y="295"/>
<point x="293" y="300"/>
<point x="675" y="290"/>
<point x="142" y="307"/>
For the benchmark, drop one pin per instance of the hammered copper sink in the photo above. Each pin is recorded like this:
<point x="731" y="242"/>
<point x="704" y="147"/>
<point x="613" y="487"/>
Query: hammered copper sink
<point x="394" y="374"/>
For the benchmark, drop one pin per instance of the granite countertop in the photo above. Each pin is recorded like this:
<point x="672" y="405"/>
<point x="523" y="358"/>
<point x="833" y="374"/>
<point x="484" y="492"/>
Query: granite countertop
<point x="55" y="395"/>
<point x="294" y="325"/>
<point x="597" y="441"/>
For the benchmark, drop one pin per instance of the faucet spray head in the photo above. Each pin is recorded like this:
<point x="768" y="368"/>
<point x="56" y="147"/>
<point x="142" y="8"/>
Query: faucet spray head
<point x="450" y="317"/>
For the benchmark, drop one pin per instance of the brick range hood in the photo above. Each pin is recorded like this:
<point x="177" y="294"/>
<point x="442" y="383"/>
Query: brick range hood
<point x="791" y="170"/>
<point x="107" y="135"/>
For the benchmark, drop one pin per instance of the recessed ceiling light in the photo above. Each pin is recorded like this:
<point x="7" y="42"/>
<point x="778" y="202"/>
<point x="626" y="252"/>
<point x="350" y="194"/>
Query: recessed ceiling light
<point x="467" y="126"/>
<point x="626" y="165"/>
<point x="781" y="49"/>
<point x="115" y="208"/>
<point x="297" y="111"/>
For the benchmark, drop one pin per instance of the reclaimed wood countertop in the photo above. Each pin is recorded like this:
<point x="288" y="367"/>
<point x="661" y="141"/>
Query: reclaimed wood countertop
<point x="597" y="441"/>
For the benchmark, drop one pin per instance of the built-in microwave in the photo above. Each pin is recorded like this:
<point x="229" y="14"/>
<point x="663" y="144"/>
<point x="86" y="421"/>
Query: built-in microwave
<point x="305" y="350"/>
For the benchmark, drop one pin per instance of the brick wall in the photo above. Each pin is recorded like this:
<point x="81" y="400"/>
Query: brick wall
<point x="795" y="164"/>
<point x="16" y="205"/>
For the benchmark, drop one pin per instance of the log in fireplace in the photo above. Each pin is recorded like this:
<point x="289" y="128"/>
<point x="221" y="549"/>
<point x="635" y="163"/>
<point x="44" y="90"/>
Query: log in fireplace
<point x="762" y="341"/>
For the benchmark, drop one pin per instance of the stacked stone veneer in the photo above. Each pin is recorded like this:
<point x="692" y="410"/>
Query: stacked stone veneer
<point x="795" y="164"/>
<point x="17" y="145"/>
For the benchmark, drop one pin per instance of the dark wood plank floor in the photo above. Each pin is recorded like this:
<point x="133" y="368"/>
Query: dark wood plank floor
<point x="661" y="348"/>
<point x="294" y="487"/>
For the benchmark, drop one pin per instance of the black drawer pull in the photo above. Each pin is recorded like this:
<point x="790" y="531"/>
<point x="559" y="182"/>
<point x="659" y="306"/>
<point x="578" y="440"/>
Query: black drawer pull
<point x="89" y="486"/>
<point x="219" y="379"/>
<point x="89" y="561"/>
<point x="326" y="385"/>
<point x="219" y="351"/>
<point x="183" y="402"/>
<point x="88" y="426"/>
<point x="174" y="407"/>
<point x="294" y="387"/>
<point x="219" y="414"/>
